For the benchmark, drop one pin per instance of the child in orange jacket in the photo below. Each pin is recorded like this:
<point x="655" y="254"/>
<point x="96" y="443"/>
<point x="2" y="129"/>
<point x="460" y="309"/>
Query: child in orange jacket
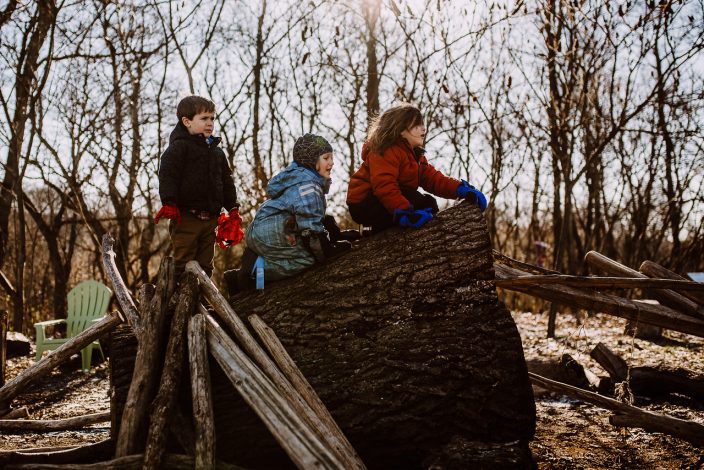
<point x="384" y="190"/>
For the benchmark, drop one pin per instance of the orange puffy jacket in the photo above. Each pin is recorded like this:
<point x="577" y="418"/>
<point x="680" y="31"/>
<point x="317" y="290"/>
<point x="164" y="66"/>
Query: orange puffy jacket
<point x="398" y="167"/>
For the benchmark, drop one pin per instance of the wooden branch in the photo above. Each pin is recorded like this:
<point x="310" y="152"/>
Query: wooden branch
<point x="612" y="363"/>
<point x="651" y="269"/>
<point x="293" y="374"/>
<point x="627" y="415"/>
<point x="145" y="295"/>
<point x="665" y="296"/>
<point x="16" y="413"/>
<point x="147" y="364"/>
<point x="658" y="315"/>
<point x="200" y="389"/>
<point x="130" y="462"/>
<point x="72" y="455"/>
<point x="3" y="350"/>
<point x="650" y="381"/>
<point x="263" y="361"/>
<point x="45" y="365"/>
<point x="606" y="282"/>
<point x="118" y="286"/>
<point x="167" y="395"/>
<point x="299" y="441"/>
<point x="49" y="425"/>
<point x="531" y="268"/>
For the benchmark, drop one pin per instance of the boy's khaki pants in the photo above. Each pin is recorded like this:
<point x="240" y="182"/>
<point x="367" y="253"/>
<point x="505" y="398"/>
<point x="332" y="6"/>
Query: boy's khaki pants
<point x="193" y="239"/>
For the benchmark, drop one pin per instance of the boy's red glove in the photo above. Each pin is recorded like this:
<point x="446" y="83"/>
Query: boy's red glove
<point x="168" y="212"/>
<point x="229" y="231"/>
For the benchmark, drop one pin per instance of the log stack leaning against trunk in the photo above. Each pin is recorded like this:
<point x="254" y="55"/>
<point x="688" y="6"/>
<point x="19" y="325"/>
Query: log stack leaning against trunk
<point x="405" y="342"/>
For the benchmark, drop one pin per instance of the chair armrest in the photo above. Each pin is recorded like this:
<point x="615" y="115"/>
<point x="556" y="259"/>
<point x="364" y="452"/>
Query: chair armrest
<point x="49" y="323"/>
<point x="96" y="320"/>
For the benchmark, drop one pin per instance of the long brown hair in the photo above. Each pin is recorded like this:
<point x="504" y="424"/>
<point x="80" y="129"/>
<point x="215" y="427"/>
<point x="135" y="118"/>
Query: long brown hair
<point x="386" y="128"/>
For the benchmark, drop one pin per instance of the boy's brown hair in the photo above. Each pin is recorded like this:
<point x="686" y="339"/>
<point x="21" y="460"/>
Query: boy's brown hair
<point x="386" y="128"/>
<point x="192" y="105"/>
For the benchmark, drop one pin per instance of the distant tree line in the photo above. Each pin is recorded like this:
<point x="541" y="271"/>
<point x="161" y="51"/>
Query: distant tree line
<point x="581" y="120"/>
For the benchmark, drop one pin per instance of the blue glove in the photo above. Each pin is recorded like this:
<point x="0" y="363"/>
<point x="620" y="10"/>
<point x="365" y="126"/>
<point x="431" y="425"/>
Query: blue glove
<point x="411" y="218"/>
<point x="471" y="194"/>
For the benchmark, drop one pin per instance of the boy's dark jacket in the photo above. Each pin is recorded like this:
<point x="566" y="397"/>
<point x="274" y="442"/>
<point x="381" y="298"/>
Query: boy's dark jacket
<point x="195" y="175"/>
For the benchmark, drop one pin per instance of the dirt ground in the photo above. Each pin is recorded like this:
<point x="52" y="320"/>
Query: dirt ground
<point x="570" y="434"/>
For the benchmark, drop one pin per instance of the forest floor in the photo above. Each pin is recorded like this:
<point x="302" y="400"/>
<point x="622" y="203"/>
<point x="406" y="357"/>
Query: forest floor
<point x="570" y="434"/>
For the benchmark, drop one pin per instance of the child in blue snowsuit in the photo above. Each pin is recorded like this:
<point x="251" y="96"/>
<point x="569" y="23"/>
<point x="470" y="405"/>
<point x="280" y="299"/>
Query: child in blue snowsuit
<point x="288" y="232"/>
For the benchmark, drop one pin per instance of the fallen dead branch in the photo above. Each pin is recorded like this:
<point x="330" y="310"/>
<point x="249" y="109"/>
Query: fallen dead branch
<point x="658" y="315"/>
<point x="649" y="381"/>
<point x="15" y="386"/>
<point x="16" y="413"/>
<point x="664" y="296"/>
<point x="652" y="269"/>
<point x="604" y="282"/>
<point x="30" y="458"/>
<point x="171" y="461"/>
<point x="627" y="415"/>
<point x="49" y="425"/>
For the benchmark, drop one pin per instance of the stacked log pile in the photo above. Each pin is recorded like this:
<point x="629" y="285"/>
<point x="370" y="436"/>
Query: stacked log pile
<point x="672" y="303"/>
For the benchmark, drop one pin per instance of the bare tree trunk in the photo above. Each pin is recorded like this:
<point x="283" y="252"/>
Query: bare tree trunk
<point x="371" y="17"/>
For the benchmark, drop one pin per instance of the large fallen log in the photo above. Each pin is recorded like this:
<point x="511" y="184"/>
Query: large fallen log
<point x="630" y="416"/>
<point x="406" y="344"/>
<point x="408" y="347"/>
<point x="658" y="315"/>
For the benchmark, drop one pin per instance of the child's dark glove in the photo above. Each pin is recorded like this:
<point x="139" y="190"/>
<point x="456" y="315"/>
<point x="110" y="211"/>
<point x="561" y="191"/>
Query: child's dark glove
<point x="412" y="218"/>
<point x="229" y="229"/>
<point x="471" y="194"/>
<point x="170" y="212"/>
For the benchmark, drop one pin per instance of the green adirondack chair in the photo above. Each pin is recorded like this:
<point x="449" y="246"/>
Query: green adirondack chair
<point x="87" y="302"/>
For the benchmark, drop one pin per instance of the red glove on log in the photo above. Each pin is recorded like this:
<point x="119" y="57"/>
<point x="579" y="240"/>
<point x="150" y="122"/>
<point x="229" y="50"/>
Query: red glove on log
<point x="168" y="212"/>
<point x="229" y="230"/>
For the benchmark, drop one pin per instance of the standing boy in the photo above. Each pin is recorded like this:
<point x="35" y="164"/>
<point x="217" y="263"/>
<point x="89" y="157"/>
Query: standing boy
<point x="195" y="182"/>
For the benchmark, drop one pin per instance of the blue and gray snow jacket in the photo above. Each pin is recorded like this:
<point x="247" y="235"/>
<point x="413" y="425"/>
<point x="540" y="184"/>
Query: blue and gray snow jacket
<point x="296" y="203"/>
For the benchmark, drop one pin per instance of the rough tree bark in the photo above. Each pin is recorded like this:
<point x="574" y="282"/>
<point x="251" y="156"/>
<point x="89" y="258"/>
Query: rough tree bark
<point x="406" y="343"/>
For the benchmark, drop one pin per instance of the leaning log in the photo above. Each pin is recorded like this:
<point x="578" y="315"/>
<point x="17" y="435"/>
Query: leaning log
<point x="45" y="365"/>
<point x="200" y="390"/>
<point x="165" y="402"/>
<point x="148" y="365"/>
<point x="407" y="345"/>
<point x="630" y="416"/>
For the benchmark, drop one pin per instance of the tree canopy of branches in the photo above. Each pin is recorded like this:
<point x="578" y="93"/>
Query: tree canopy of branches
<point x="581" y="121"/>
